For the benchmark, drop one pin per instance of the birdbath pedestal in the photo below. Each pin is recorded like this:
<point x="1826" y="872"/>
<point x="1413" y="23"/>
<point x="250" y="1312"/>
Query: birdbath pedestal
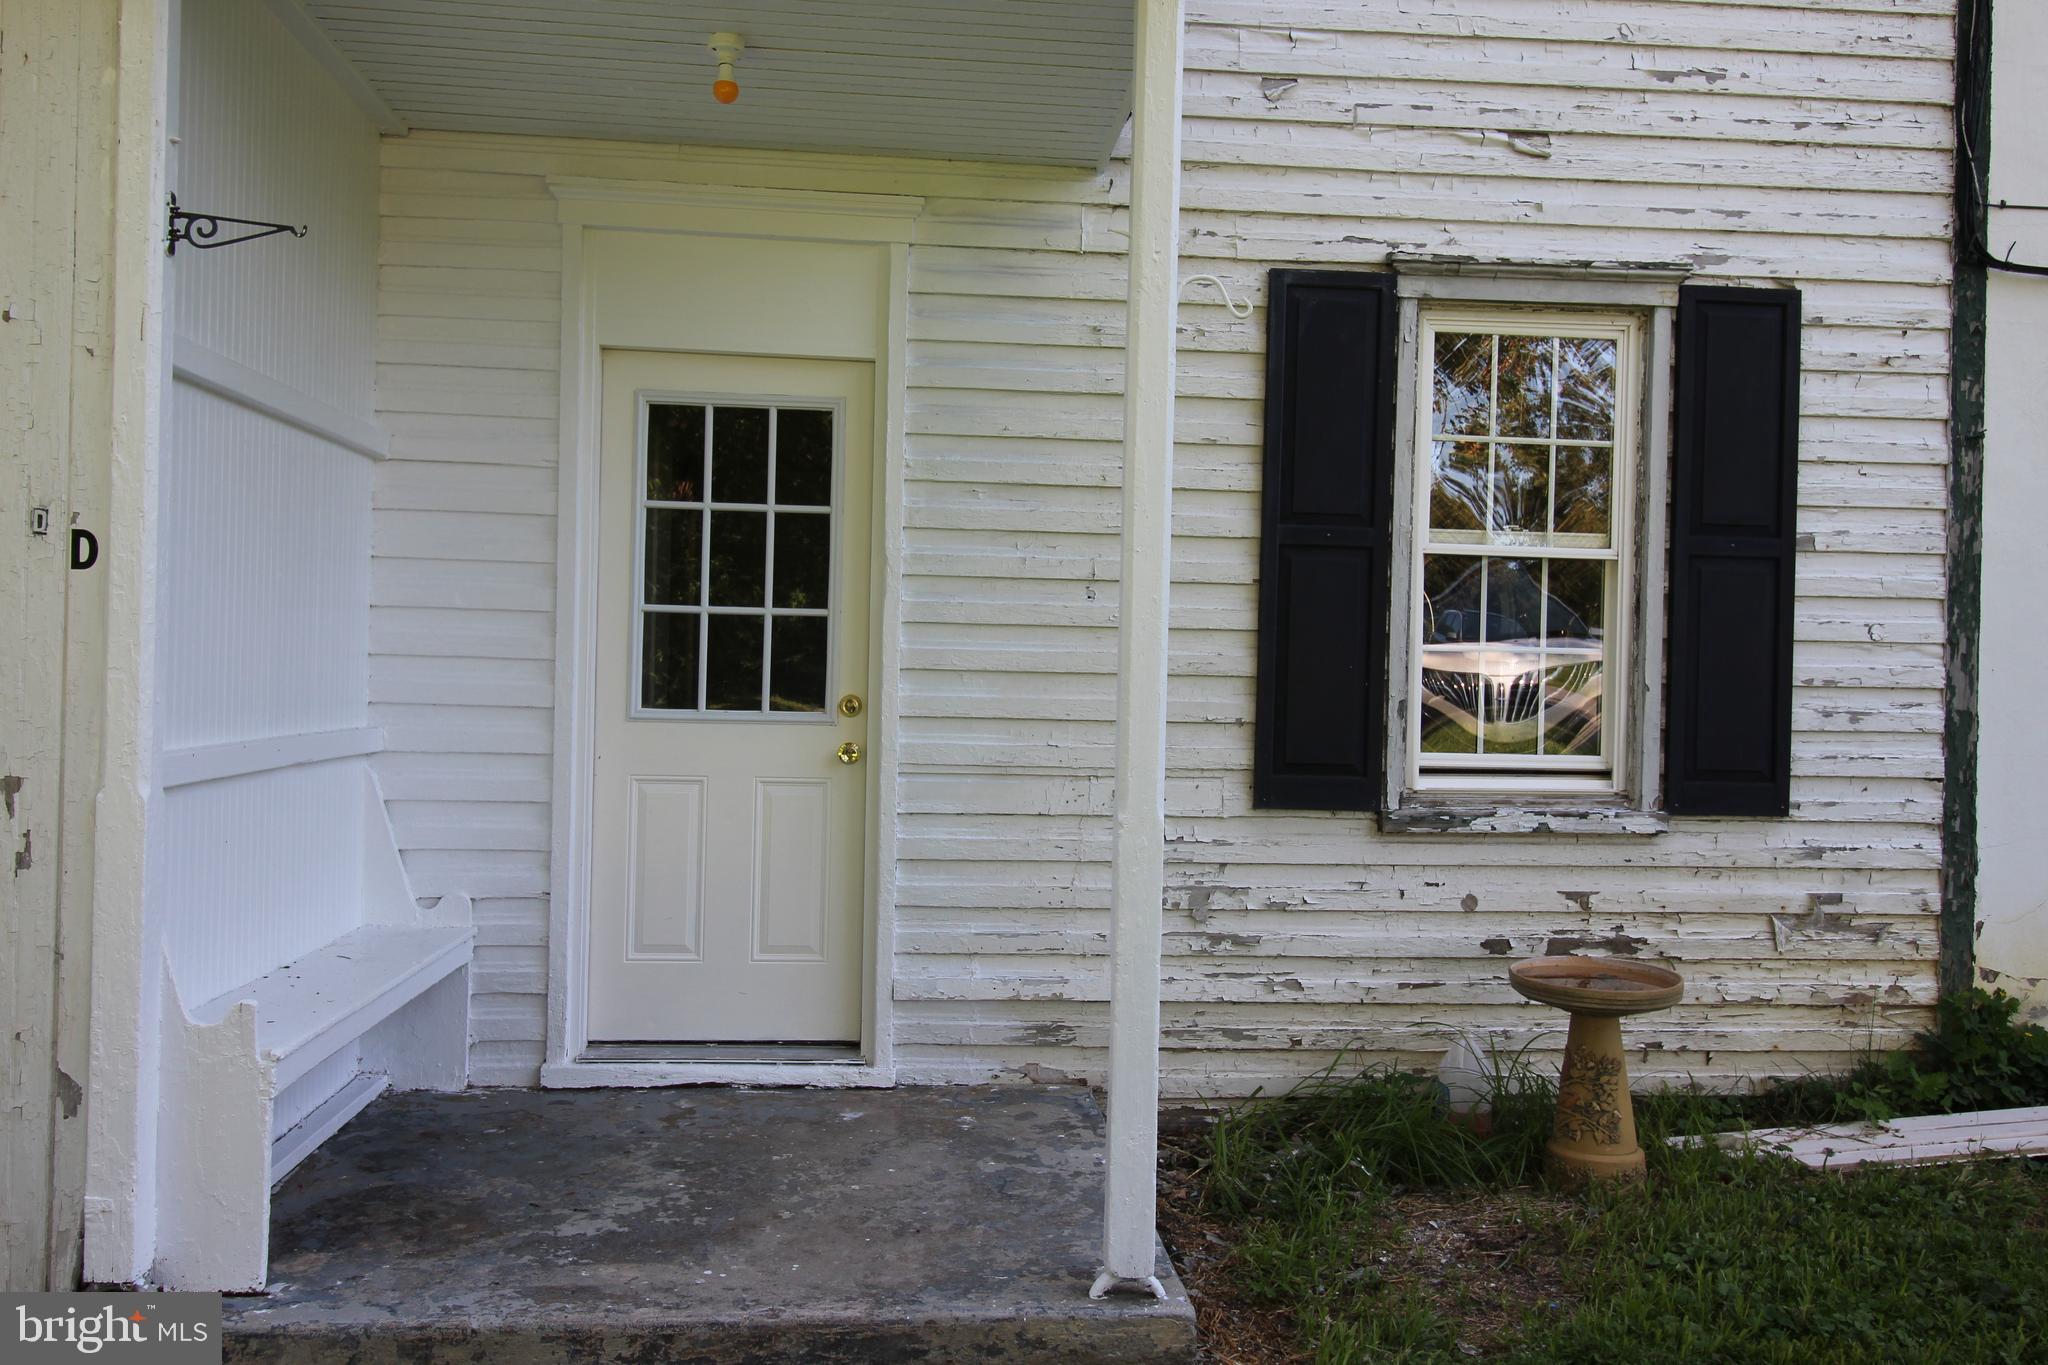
<point x="1594" y="1137"/>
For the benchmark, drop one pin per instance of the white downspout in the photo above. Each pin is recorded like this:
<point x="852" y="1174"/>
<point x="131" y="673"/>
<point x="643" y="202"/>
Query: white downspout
<point x="1138" y="866"/>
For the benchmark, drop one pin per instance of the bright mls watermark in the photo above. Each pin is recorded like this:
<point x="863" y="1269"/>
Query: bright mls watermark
<point x="170" y="1329"/>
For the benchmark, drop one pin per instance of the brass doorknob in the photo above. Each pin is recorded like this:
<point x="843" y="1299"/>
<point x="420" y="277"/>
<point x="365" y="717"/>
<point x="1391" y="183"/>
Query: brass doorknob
<point x="849" y="752"/>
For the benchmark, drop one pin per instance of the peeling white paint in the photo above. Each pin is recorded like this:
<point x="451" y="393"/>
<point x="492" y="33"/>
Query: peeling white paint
<point x="1807" y="145"/>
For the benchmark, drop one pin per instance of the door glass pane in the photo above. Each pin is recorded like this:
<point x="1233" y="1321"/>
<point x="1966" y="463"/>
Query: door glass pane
<point x="1463" y="404"/>
<point x="1524" y="386"/>
<point x="733" y="674"/>
<point x="803" y="457"/>
<point x="719" y="557"/>
<point x="675" y="561"/>
<point x="675" y="452"/>
<point x="1574" y="655"/>
<point x="668" y="660"/>
<point x="1451" y="650"/>
<point x="739" y="558"/>
<point x="797" y="664"/>
<point x="803" y="559"/>
<point x="739" y="454"/>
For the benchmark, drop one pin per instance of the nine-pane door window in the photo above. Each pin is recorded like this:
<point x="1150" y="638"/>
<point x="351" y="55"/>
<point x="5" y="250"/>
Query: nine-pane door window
<point x="735" y="558"/>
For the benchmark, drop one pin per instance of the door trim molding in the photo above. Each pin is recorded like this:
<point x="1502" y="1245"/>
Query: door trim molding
<point x="885" y="223"/>
<point x="734" y="211"/>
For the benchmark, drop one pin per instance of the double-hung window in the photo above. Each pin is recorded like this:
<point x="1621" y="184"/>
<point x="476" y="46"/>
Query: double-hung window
<point x="1521" y="573"/>
<point x="1471" y="616"/>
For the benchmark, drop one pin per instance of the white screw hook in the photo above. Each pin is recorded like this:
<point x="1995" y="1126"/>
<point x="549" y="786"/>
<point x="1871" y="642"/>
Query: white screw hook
<point x="1239" y="308"/>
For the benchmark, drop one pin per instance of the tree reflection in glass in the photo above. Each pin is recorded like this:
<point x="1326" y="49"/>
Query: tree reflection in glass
<point x="1524" y="367"/>
<point x="1464" y="384"/>
<point x="1457" y="488"/>
<point x="1585" y="394"/>
<point x="1582" y="494"/>
<point x="1521" y="493"/>
<point x="1520" y="460"/>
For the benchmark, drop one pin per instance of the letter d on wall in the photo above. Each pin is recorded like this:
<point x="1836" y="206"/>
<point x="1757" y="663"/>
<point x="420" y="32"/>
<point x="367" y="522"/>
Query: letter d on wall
<point x="85" y="549"/>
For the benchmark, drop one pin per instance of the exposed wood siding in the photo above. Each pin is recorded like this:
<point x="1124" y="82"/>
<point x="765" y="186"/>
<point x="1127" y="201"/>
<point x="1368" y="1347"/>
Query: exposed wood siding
<point x="1795" y="143"/>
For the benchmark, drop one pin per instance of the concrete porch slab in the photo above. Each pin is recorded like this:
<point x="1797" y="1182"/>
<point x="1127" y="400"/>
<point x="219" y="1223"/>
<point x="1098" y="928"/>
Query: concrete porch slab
<point x="703" y="1225"/>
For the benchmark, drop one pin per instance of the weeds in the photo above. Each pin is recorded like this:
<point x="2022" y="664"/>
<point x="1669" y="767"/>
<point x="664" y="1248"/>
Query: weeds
<point x="1352" y="1137"/>
<point x="1386" y="1232"/>
<point x="1978" y="1056"/>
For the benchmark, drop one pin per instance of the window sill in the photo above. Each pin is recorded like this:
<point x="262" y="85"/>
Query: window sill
<point x="1434" y="813"/>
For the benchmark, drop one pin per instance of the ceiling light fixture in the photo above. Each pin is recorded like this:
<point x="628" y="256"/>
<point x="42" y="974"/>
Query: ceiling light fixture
<point x="727" y="47"/>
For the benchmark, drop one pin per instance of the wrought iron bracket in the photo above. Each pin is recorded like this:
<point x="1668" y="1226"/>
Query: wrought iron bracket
<point x="202" y="230"/>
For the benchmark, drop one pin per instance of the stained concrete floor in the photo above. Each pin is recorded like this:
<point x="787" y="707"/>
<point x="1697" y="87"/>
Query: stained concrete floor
<point x="703" y="1225"/>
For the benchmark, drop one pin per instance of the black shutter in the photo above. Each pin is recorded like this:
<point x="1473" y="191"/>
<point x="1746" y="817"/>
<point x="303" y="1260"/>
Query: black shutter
<point x="1323" y="587"/>
<point x="1735" y="480"/>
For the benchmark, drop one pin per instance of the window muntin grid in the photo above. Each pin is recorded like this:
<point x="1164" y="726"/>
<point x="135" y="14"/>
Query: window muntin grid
<point x="1522" y="499"/>
<point x="735" y="541"/>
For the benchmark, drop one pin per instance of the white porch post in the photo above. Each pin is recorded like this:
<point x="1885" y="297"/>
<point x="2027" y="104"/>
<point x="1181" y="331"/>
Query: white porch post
<point x="127" y="967"/>
<point x="1139" y="858"/>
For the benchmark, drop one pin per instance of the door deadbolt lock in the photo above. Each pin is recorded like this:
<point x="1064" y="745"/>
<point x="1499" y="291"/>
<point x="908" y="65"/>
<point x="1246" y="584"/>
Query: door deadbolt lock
<point x="849" y="752"/>
<point x="849" y="706"/>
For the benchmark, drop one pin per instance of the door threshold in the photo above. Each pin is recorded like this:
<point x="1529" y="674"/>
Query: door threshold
<point x="724" y="1053"/>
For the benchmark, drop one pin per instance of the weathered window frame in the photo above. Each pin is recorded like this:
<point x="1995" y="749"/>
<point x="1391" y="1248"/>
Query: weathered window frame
<point x="1629" y="803"/>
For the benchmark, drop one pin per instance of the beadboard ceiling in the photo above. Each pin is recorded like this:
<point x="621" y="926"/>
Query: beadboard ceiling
<point x="1002" y="80"/>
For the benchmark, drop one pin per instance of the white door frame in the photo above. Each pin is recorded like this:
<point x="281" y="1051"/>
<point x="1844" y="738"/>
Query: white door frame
<point x="586" y="206"/>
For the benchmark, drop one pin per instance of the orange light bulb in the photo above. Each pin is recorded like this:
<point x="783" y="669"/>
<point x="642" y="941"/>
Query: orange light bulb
<point x="725" y="91"/>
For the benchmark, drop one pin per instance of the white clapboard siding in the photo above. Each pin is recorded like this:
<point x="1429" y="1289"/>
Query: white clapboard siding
<point x="1802" y="141"/>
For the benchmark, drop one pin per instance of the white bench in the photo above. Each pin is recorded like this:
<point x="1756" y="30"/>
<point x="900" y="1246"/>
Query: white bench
<point x="392" y="992"/>
<point x="308" y="1010"/>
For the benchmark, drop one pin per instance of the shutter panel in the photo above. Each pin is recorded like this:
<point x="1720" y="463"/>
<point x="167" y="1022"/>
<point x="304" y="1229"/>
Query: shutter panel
<point x="1735" y="483"/>
<point x="1327" y="514"/>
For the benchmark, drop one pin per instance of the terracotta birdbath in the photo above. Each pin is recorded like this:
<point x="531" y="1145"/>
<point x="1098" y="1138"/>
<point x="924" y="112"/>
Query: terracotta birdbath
<point x="1594" y="1137"/>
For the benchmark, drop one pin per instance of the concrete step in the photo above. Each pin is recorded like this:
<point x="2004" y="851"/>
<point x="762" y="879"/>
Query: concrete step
<point x="513" y="1227"/>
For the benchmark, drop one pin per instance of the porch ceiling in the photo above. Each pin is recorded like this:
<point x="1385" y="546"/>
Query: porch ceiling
<point x="1044" y="81"/>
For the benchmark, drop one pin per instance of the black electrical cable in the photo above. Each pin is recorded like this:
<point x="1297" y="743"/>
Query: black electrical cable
<point x="1977" y="211"/>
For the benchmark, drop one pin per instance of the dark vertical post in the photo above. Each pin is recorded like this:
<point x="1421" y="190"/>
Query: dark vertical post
<point x="1966" y="502"/>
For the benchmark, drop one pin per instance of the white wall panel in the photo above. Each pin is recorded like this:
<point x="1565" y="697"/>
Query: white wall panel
<point x="264" y="133"/>
<point x="265" y="526"/>
<point x="2012" y="898"/>
<point x="265" y="607"/>
<point x="259" y="870"/>
<point x="1759" y="144"/>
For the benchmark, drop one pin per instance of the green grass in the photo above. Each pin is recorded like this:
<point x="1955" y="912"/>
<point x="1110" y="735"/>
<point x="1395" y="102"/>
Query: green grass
<point x="1720" y="1258"/>
<point x="1716" y="1257"/>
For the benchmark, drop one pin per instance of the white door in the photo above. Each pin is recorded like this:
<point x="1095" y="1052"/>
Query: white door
<point x="731" y="721"/>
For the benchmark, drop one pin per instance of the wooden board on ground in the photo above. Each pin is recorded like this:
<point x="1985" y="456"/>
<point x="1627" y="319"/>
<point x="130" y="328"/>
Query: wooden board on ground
<point x="1899" y="1142"/>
